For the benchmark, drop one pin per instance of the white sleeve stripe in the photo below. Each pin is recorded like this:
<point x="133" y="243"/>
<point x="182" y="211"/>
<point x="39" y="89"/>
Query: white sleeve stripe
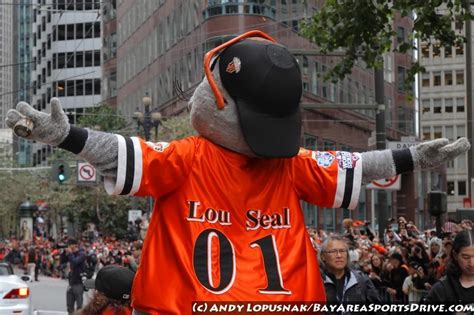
<point x="357" y="182"/>
<point x="115" y="188"/>
<point x="137" y="177"/>
<point x="341" y="185"/>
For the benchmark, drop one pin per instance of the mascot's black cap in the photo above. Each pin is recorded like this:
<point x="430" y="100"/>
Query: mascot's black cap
<point x="264" y="80"/>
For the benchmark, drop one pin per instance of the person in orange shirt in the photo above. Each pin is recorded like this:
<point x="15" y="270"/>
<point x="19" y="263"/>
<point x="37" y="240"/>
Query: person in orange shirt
<point x="113" y="287"/>
<point x="227" y="224"/>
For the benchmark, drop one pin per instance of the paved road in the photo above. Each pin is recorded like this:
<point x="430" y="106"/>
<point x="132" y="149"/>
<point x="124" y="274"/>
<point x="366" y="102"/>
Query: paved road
<point x="49" y="294"/>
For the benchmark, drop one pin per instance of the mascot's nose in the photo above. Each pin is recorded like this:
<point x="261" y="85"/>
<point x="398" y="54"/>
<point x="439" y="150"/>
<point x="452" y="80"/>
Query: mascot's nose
<point x="264" y="80"/>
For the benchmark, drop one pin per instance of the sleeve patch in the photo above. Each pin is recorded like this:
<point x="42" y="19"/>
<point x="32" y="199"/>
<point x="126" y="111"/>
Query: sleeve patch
<point x="346" y="160"/>
<point x="324" y="159"/>
<point x="159" y="146"/>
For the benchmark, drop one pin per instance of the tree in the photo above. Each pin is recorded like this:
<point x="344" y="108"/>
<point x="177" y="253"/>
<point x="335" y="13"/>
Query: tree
<point x="363" y="29"/>
<point x="17" y="187"/>
<point x="103" y="117"/>
<point x="176" y="127"/>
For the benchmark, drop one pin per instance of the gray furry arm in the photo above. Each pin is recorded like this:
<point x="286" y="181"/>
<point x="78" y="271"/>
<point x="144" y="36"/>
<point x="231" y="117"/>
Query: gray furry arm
<point x="426" y="155"/>
<point x="96" y="147"/>
<point x="377" y="165"/>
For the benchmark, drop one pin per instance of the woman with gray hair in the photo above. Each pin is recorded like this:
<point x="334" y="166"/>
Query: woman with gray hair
<point x="342" y="284"/>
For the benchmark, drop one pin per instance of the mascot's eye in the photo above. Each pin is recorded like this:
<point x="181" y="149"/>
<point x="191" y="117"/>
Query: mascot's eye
<point x="180" y="93"/>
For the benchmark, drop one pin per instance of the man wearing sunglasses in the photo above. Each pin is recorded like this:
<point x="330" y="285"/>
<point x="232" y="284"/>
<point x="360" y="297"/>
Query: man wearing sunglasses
<point x="227" y="223"/>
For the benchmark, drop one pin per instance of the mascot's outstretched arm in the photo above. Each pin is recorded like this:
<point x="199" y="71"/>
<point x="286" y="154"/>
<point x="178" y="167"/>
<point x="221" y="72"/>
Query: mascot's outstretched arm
<point x="98" y="148"/>
<point x="388" y="163"/>
<point x="101" y="149"/>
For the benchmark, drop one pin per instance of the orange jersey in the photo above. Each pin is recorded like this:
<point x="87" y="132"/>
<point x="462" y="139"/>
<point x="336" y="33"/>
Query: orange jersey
<point x="227" y="227"/>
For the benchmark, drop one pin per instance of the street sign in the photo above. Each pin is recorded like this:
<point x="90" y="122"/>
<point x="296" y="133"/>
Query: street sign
<point x="134" y="215"/>
<point x="393" y="183"/>
<point x="86" y="173"/>
<point x="404" y="144"/>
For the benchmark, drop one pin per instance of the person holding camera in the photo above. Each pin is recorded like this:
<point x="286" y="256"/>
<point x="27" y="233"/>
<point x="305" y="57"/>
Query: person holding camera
<point x="77" y="264"/>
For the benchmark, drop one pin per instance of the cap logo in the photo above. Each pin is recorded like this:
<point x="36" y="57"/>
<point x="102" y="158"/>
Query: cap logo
<point x="234" y="66"/>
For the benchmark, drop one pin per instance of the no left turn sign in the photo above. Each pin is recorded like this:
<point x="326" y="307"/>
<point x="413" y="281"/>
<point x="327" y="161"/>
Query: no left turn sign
<point x="86" y="173"/>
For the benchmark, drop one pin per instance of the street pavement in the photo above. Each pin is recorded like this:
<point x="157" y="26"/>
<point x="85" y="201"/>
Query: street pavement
<point x="49" y="294"/>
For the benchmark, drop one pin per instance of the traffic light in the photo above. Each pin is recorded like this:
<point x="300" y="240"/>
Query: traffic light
<point x="60" y="171"/>
<point x="61" y="174"/>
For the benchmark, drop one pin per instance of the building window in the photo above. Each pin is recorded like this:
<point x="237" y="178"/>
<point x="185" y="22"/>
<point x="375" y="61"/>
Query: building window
<point x="79" y="87"/>
<point x="401" y="78"/>
<point x="437" y="107"/>
<point x="460" y="131"/>
<point x="436" y="50"/>
<point x="451" y="191"/>
<point x="80" y="30"/>
<point x="329" y="145"/>
<point x="460" y="105"/>
<point x="436" y="78"/>
<point x="449" y="132"/>
<point x="448" y="51"/>
<point x="400" y="35"/>
<point x="61" y="32"/>
<point x="437" y="132"/>
<point x="70" y="31"/>
<point x="425" y="50"/>
<point x="459" y="50"/>
<point x="61" y="60"/>
<point x="425" y="80"/>
<point x="61" y="88"/>
<point x="448" y="105"/>
<point x="425" y="105"/>
<point x="310" y="142"/>
<point x="426" y="133"/>
<point x="97" y="86"/>
<point x="460" y="77"/>
<point x="79" y="59"/>
<point x="461" y="188"/>
<point x="70" y="88"/>
<point x="89" y="87"/>
<point x="448" y="78"/>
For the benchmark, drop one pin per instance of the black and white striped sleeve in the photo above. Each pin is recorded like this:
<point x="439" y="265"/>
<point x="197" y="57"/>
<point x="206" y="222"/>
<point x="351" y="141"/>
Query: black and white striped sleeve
<point x="349" y="180"/>
<point x="129" y="168"/>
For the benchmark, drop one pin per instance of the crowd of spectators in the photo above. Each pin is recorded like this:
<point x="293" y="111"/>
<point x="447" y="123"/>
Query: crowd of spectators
<point x="48" y="257"/>
<point x="403" y="265"/>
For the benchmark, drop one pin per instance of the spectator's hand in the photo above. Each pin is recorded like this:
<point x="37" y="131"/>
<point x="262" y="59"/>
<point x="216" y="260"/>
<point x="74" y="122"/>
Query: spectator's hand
<point x="391" y="291"/>
<point x="373" y="275"/>
<point x="428" y="286"/>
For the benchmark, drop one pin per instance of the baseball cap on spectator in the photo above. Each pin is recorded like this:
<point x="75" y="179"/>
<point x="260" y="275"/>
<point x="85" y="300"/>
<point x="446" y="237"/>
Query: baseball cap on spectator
<point x="397" y="256"/>
<point x="414" y="264"/>
<point x="115" y="282"/>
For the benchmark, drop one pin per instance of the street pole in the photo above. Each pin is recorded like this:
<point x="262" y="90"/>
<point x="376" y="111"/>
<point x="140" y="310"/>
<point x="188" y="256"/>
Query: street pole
<point x="380" y="145"/>
<point x="469" y="109"/>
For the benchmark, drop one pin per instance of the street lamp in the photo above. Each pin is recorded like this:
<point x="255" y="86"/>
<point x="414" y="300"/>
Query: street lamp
<point x="148" y="119"/>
